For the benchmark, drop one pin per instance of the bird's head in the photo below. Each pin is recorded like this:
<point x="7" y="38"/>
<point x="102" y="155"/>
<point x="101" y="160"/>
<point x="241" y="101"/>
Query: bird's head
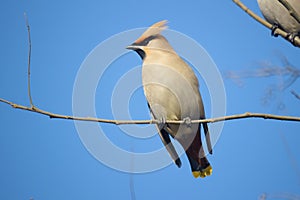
<point x="151" y="40"/>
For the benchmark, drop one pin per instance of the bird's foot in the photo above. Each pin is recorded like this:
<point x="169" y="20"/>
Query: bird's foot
<point x="291" y="37"/>
<point x="203" y="172"/>
<point x="187" y="121"/>
<point x="161" y="122"/>
<point x="273" y="30"/>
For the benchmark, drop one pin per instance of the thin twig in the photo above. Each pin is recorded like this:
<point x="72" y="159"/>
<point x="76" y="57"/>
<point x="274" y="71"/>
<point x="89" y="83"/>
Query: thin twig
<point x="267" y="24"/>
<point x="29" y="61"/>
<point x="152" y="121"/>
<point x="131" y="177"/>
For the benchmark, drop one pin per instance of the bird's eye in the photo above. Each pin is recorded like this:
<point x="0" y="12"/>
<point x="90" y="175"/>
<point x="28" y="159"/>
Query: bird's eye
<point x="147" y="40"/>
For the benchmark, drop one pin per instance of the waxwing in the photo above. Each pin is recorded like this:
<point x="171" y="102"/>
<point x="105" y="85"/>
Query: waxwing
<point x="276" y="13"/>
<point x="172" y="92"/>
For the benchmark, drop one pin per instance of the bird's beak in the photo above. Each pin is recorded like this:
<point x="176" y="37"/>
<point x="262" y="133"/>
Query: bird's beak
<point x="133" y="46"/>
<point x="138" y="49"/>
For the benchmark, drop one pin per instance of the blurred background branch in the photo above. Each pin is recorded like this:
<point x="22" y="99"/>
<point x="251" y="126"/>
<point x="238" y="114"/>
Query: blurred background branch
<point x="286" y="73"/>
<point x="286" y="196"/>
<point x="295" y="94"/>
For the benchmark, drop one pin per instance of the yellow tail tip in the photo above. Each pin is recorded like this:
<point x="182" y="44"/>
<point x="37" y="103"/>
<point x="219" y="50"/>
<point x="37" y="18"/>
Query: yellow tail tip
<point x="204" y="173"/>
<point x="196" y="174"/>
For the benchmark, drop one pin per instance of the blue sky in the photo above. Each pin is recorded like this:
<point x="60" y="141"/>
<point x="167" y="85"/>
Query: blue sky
<point x="44" y="158"/>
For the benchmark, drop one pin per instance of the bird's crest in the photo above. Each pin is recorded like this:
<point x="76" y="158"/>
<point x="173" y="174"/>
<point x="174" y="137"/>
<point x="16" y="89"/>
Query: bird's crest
<point x="155" y="29"/>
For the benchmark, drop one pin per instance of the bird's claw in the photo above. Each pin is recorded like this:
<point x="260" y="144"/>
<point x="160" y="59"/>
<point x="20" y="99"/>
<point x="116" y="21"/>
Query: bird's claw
<point x="187" y="121"/>
<point x="291" y="37"/>
<point x="161" y="122"/>
<point x="273" y="30"/>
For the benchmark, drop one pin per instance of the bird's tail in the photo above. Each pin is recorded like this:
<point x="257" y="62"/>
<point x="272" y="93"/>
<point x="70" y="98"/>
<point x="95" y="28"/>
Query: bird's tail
<point x="203" y="171"/>
<point x="200" y="166"/>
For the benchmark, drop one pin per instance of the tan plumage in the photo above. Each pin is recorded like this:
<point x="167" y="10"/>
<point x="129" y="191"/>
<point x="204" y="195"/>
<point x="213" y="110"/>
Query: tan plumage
<point x="155" y="29"/>
<point x="172" y="92"/>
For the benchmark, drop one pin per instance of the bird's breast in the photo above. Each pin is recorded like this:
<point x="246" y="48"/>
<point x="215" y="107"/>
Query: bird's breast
<point x="170" y="94"/>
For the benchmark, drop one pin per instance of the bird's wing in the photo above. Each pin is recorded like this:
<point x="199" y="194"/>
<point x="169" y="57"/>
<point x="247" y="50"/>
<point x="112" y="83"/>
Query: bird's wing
<point x="207" y="137"/>
<point x="165" y="138"/>
<point x="205" y="127"/>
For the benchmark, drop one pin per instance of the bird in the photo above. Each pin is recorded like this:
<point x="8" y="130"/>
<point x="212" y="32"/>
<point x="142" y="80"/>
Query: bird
<point x="283" y="14"/>
<point x="172" y="92"/>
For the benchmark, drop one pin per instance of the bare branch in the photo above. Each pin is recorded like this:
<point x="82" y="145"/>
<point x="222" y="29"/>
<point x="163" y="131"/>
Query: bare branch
<point x="35" y="109"/>
<point x="59" y="116"/>
<point x="278" y="31"/>
<point x="152" y="121"/>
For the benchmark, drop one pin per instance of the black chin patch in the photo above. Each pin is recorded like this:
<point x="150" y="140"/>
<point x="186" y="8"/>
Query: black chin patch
<point x="141" y="53"/>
